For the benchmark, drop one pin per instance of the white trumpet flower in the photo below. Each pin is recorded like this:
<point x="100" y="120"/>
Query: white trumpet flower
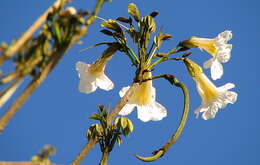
<point x="93" y="76"/>
<point x="144" y="99"/>
<point x="213" y="98"/>
<point x="217" y="47"/>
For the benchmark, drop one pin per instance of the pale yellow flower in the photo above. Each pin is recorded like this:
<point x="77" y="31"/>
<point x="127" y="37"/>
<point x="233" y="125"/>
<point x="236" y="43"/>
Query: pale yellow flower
<point x="144" y="99"/>
<point x="213" y="98"/>
<point x="93" y="76"/>
<point x="217" y="47"/>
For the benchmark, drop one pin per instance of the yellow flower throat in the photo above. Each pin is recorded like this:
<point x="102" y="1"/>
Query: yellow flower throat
<point x="143" y="94"/>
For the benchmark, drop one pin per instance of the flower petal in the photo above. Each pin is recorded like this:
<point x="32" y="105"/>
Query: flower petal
<point x="211" y="112"/>
<point x="87" y="82"/>
<point x="144" y="113"/>
<point x="226" y="35"/>
<point x="104" y="82"/>
<point x="153" y="111"/>
<point x="202" y="108"/>
<point x="85" y="86"/>
<point x="226" y="87"/>
<point x="158" y="112"/>
<point x="216" y="70"/>
<point x="208" y="63"/>
<point x="123" y="91"/>
<point x="153" y="94"/>
<point x="82" y="67"/>
<point x="230" y="97"/>
<point x="224" y="53"/>
<point x="127" y="109"/>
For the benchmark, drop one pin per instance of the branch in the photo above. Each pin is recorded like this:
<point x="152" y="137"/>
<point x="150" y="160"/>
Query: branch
<point x="159" y="153"/>
<point x="92" y="142"/>
<point x="9" y="91"/>
<point x="28" y="34"/>
<point x="35" y="83"/>
<point x="19" y="163"/>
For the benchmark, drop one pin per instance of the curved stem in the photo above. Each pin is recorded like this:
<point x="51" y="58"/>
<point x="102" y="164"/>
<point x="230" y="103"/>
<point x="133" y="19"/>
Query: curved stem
<point x="159" y="153"/>
<point x="151" y="158"/>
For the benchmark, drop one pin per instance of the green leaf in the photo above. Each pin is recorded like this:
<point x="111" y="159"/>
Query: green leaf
<point x="89" y="133"/>
<point x="103" y="111"/>
<point x="117" y="121"/>
<point x="107" y="32"/>
<point x="94" y="118"/>
<point x="57" y="32"/>
<point x="123" y="122"/>
<point x="154" y="14"/>
<point x="46" y="47"/>
<point x="123" y="19"/>
<point x="99" y="129"/>
<point x="126" y="132"/>
<point x="133" y="11"/>
<point x="130" y="125"/>
<point x="160" y="38"/>
<point x="119" y="140"/>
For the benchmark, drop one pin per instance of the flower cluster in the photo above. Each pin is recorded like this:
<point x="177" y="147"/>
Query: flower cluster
<point x="92" y="76"/>
<point x="143" y="97"/>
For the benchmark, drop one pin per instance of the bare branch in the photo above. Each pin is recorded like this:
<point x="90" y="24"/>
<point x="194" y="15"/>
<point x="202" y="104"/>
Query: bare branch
<point x="35" y="83"/>
<point x="28" y="34"/>
<point x="19" y="163"/>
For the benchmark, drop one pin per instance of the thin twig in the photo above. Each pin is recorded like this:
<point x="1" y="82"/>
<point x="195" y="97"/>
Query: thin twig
<point x="28" y="34"/>
<point x="19" y="163"/>
<point x="9" y="91"/>
<point x="85" y="150"/>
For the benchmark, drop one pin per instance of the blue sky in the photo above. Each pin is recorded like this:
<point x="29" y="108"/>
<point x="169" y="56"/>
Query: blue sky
<point x="57" y="112"/>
